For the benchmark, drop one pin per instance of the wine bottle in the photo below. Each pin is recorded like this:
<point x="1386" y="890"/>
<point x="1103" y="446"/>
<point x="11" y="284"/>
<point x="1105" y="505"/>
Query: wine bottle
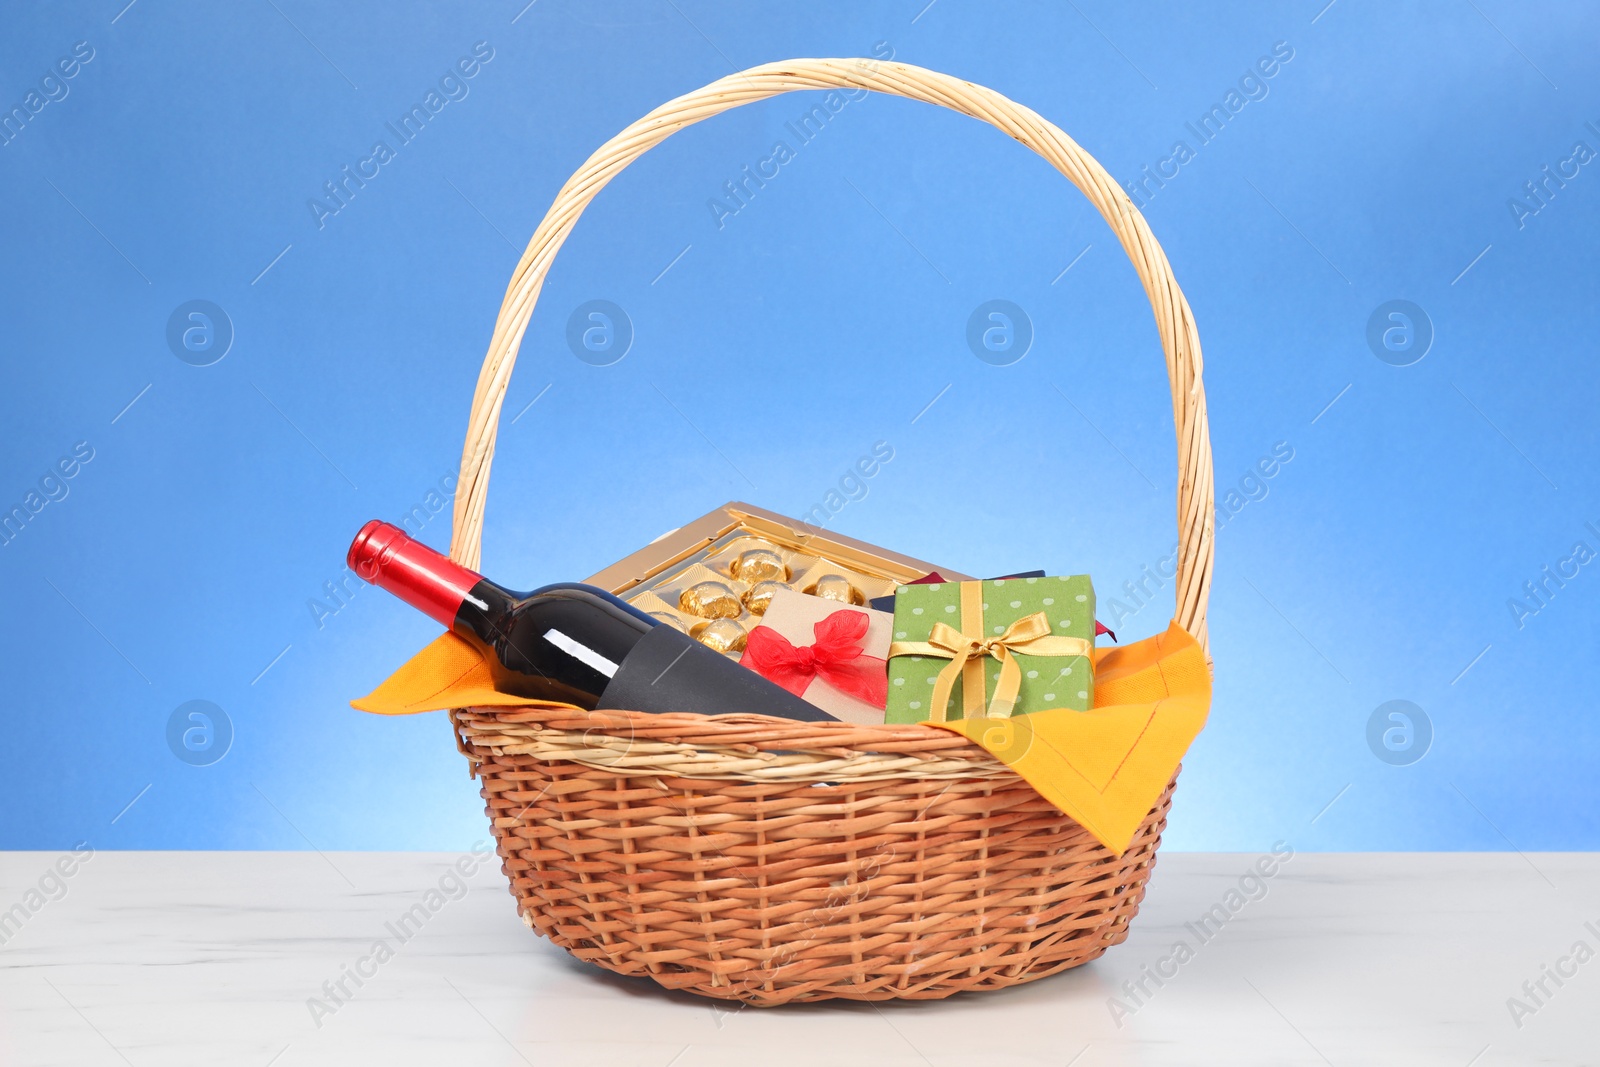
<point x="571" y="643"/>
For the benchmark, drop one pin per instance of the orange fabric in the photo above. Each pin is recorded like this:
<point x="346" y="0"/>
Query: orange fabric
<point x="449" y="673"/>
<point x="1105" y="767"/>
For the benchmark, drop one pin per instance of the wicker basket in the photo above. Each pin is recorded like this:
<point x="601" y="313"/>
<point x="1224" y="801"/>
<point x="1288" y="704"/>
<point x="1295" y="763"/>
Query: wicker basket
<point x="766" y="860"/>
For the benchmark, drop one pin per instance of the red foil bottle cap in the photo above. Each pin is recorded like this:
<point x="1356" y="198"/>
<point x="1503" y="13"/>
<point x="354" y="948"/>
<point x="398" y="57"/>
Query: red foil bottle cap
<point x="386" y="556"/>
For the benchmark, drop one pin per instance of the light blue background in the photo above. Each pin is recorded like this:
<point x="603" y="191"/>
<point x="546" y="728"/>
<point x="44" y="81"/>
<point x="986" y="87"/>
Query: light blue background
<point x="821" y="318"/>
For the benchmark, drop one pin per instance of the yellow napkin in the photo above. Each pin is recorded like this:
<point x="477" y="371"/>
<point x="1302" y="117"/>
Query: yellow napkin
<point x="1105" y="767"/>
<point x="449" y="673"/>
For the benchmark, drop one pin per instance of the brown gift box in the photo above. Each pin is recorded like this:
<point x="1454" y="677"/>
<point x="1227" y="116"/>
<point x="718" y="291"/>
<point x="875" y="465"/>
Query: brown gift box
<point x="794" y="616"/>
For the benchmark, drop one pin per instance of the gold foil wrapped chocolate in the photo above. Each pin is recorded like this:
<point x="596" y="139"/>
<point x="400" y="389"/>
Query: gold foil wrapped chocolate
<point x="759" y="565"/>
<point x="758" y="598"/>
<point x="721" y="635"/>
<point x="718" y="566"/>
<point x="710" y="600"/>
<point x="836" y="587"/>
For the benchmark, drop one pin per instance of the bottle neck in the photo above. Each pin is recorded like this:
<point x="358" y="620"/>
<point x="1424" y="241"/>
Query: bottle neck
<point x="432" y="583"/>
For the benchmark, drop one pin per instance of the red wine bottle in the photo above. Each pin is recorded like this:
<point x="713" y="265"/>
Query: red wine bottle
<point x="571" y="643"/>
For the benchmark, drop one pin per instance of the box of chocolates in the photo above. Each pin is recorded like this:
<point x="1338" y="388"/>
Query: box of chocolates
<point x="715" y="577"/>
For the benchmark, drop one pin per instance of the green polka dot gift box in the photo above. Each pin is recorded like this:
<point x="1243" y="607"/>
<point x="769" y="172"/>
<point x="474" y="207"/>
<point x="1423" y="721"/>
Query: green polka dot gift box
<point x="993" y="649"/>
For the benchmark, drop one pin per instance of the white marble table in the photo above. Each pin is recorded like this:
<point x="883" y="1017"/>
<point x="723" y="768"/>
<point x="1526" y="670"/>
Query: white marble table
<point x="211" y="958"/>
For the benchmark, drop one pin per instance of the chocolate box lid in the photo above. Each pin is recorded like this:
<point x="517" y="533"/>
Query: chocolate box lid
<point x="696" y="539"/>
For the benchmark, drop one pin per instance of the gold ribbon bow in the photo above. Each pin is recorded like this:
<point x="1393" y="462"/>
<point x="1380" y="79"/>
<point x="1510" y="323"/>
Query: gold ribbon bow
<point x="1029" y="635"/>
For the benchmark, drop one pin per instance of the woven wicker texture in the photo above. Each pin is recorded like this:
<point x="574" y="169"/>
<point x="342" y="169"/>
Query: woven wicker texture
<point x="767" y="860"/>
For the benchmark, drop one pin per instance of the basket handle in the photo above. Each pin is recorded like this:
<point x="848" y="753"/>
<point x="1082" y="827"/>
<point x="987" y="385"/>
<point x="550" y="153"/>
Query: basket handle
<point x="1174" y="321"/>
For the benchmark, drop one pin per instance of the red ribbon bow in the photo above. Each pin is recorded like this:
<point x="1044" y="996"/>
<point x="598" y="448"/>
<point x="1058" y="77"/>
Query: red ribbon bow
<point x="836" y="658"/>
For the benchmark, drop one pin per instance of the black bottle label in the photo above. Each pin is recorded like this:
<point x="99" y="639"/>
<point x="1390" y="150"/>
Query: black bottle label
<point x="670" y="671"/>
